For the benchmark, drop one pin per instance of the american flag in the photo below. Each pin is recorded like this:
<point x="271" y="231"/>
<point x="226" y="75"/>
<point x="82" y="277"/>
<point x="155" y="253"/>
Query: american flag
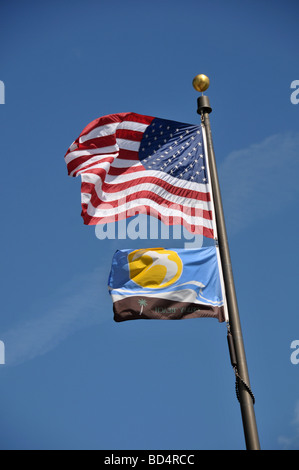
<point x="130" y="163"/>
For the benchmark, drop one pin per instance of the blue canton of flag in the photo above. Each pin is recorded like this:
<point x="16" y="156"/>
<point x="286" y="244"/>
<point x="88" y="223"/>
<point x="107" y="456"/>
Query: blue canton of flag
<point x="175" y="148"/>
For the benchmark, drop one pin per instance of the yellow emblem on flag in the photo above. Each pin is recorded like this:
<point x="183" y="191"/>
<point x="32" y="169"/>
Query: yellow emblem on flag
<point x="155" y="268"/>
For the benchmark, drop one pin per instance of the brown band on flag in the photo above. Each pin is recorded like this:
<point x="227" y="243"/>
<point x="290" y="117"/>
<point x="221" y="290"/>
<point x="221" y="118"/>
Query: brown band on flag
<point x="138" y="307"/>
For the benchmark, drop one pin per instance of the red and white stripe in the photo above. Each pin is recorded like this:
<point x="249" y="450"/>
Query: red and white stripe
<point x="115" y="184"/>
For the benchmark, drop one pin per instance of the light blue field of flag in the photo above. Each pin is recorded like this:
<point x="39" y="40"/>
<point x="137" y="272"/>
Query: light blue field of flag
<point x="186" y="275"/>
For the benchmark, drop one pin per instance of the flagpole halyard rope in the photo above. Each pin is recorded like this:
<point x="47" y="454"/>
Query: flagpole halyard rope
<point x="234" y="364"/>
<point x="238" y="378"/>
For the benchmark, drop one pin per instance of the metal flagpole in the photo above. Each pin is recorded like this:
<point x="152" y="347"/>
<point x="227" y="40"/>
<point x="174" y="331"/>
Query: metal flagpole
<point x="235" y="339"/>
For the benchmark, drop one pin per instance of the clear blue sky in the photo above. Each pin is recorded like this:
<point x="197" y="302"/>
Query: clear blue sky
<point x="73" y="378"/>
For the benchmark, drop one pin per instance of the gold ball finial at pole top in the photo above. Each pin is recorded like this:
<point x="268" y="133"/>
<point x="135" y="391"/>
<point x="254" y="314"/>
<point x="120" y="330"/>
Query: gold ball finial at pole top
<point x="201" y="82"/>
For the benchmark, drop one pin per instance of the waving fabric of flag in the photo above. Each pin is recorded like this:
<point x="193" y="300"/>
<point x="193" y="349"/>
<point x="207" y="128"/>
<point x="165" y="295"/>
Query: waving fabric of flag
<point x="168" y="284"/>
<point x="131" y="164"/>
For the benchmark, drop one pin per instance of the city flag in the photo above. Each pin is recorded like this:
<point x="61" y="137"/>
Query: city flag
<point x="168" y="284"/>
<point x="131" y="164"/>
